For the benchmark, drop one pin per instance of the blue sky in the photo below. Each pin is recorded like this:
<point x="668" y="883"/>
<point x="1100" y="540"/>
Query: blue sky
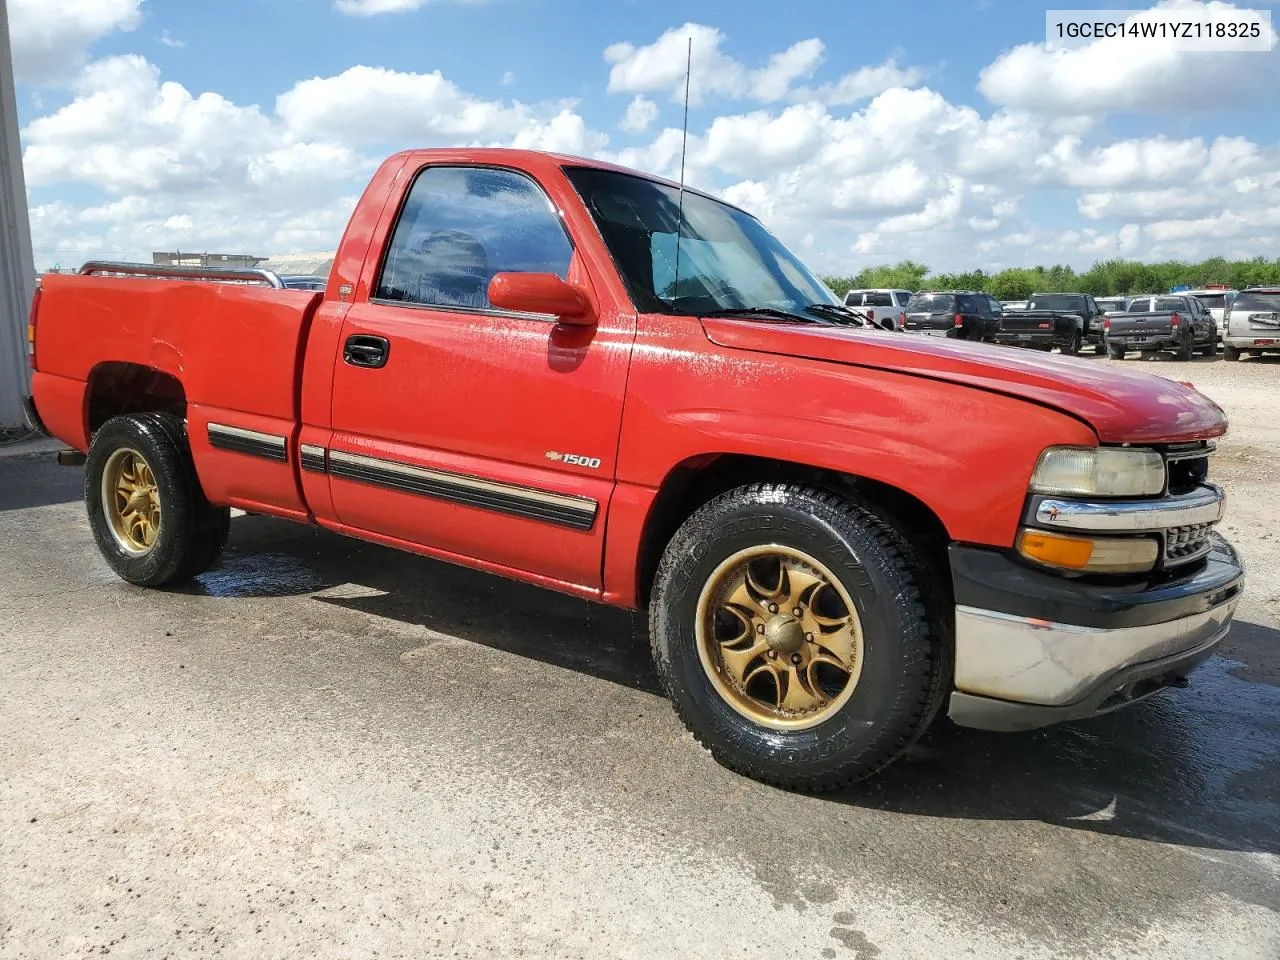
<point x="861" y="132"/>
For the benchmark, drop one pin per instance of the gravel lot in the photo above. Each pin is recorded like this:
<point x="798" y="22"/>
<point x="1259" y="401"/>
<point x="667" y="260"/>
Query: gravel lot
<point x="329" y="749"/>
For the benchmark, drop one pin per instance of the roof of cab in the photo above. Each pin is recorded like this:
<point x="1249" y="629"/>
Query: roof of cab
<point x="513" y="157"/>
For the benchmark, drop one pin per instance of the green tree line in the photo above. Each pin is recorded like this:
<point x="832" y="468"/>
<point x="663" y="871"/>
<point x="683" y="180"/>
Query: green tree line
<point x="1106" y="278"/>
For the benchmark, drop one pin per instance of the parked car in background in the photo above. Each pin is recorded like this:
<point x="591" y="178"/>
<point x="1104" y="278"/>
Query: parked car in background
<point x="1112" y="304"/>
<point x="1217" y="300"/>
<point x="1151" y="324"/>
<point x="880" y="304"/>
<point x="958" y="314"/>
<point x="1009" y="305"/>
<point x="1252" y="323"/>
<point x="1063" y="320"/>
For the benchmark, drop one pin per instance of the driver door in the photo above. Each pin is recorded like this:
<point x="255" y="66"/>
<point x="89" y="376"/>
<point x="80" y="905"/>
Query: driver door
<point x="467" y="430"/>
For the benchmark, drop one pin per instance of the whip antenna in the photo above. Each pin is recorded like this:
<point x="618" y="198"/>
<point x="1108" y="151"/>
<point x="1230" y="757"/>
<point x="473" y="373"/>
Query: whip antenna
<point x="684" y="149"/>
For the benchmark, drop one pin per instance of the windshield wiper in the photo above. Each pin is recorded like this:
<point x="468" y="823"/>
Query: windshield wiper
<point x="841" y="314"/>
<point x="767" y="313"/>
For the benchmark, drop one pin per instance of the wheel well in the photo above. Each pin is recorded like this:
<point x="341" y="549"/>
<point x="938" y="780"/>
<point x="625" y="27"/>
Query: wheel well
<point x="120" y="388"/>
<point x="696" y="481"/>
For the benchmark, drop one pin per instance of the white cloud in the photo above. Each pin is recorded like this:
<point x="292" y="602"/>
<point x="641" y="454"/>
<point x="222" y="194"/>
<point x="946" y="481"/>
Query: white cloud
<point x="566" y="132"/>
<point x="1118" y="75"/>
<point x="661" y="66"/>
<point x="372" y="8"/>
<point x="862" y="84"/>
<point x="49" y="45"/>
<point x="169" y="40"/>
<point x="178" y="169"/>
<point x="641" y="112"/>
<point x="374" y="105"/>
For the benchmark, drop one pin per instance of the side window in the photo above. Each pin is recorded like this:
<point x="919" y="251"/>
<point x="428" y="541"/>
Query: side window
<point x="1092" y="305"/>
<point x="462" y="225"/>
<point x="995" y="306"/>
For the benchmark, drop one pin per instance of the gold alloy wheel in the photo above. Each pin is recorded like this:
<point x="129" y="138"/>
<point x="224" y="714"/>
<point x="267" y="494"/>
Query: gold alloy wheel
<point x="779" y="637"/>
<point x="130" y="501"/>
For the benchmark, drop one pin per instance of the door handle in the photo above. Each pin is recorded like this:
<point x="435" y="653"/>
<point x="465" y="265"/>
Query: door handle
<point x="362" y="350"/>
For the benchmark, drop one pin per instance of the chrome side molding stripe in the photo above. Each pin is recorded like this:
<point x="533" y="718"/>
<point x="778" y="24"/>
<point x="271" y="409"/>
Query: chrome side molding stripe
<point x="576" y="512"/>
<point x="255" y="444"/>
<point x="313" y="457"/>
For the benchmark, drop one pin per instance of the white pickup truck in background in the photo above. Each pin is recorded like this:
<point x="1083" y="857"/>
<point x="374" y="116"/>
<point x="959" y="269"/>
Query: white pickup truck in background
<point x="880" y="304"/>
<point x="1218" y="301"/>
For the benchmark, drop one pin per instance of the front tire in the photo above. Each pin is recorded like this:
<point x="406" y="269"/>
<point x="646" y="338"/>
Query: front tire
<point x="789" y="631"/>
<point x="147" y="511"/>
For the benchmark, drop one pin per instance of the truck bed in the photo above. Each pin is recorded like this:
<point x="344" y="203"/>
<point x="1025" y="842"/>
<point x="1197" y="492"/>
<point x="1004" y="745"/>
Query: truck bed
<point x="233" y="351"/>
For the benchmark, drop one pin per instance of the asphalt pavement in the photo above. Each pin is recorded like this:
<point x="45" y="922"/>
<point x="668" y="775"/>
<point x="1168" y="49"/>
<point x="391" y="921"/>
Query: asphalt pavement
<point x="327" y="748"/>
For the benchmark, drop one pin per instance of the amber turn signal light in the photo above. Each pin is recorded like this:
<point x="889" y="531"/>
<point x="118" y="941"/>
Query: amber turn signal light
<point x="1088" y="554"/>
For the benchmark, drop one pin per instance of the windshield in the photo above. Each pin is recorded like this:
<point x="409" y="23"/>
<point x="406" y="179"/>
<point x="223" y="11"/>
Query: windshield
<point x="1058" y="301"/>
<point x="727" y="259"/>
<point x="932" y="303"/>
<point x="1250" y="300"/>
<point x="1215" y="301"/>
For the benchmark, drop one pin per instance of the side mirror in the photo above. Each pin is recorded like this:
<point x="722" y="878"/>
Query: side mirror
<point x="541" y="293"/>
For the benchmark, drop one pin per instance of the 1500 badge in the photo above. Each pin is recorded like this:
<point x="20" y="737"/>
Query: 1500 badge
<point x="574" y="460"/>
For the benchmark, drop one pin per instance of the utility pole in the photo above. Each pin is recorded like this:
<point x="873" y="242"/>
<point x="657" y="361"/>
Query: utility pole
<point x="17" y="263"/>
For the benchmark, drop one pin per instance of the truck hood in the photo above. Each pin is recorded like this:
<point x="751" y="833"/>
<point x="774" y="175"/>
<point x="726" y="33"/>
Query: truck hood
<point x="1120" y="406"/>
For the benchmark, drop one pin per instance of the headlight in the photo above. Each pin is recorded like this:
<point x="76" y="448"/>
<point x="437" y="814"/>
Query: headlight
<point x="1099" y="472"/>
<point x="1089" y="554"/>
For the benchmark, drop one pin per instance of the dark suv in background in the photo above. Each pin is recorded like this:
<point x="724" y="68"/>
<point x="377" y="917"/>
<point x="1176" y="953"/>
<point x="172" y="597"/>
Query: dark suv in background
<point x="959" y="314"/>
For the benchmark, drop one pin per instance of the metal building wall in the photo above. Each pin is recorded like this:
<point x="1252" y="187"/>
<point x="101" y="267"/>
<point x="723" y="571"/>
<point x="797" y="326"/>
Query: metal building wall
<point x="17" y="265"/>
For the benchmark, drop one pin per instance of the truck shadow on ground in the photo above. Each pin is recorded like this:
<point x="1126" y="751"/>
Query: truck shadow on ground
<point x="1193" y="768"/>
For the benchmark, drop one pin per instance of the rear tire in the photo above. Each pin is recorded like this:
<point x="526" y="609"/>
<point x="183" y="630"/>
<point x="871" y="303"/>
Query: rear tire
<point x="1115" y="351"/>
<point x="828" y="727"/>
<point x="1072" y="347"/>
<point x="1231" y="353"/>
<point x="1187" y="348"/>
<point x="146" y="508"/>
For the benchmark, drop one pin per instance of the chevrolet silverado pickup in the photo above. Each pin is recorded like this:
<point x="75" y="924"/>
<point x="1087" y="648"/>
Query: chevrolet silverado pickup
<point x="1063" y="320"/>
<point x="1152" y="324"/>
<point x="578" y="376"/>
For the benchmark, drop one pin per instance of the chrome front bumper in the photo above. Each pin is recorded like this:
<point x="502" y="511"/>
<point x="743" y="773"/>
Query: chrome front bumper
<point x="1059" y="666"/>
<point x="1032" y="649"/>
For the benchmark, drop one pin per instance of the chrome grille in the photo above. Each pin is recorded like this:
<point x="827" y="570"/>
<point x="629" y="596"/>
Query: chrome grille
<point x="1184" y="544"/>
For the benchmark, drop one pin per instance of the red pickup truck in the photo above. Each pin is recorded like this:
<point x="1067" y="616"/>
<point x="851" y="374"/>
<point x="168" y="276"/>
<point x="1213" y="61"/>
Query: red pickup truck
<point x="575" y="375"/>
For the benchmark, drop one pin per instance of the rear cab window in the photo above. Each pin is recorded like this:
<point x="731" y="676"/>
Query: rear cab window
<point x="932" y="303"/>
<point x="1057" y="302"/>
